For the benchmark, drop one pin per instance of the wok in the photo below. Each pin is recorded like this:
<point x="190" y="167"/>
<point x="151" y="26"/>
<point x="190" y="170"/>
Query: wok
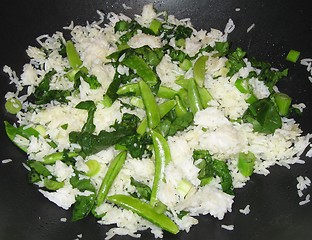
<point x="279" y="26"/>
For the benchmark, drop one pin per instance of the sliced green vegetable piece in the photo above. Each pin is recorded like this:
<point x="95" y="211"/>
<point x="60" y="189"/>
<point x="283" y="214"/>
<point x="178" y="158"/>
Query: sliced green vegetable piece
<point x="162" y="158"/>
<point x="72" y="55"/>
<point x="283" y="102"/>
<point x="151" y="107"/>
<point x="52" y="184"/>
<point x="13" y="105"/>
<point x="112" y="172"/>
<point x="204" y="96"/>
<point x="131" y="88"/>
<point x="242" y="85"/>
<point x="144" y="210"/>
<point x="293" y="56"/>
<point x="246" y="162"/>
<point x="155" y="26"/>
<point x="94" y="167"/>
<point x="186" y="64"/>
<point x="199" y="70"/>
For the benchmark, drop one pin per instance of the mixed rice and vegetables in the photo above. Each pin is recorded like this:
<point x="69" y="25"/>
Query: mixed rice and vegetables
<point x="146" y="123"/>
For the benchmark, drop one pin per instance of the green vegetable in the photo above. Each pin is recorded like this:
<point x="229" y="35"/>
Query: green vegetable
<point x="199" y="70"/>
<point x="162" y="158"/>
<point x="137" y="102"/>
<point x="246" y="162"/>
<point x="164" y="108"/>
<point x="94" y="167"/>
<point x="144" y="210"/>
<point x="142" y="69"/>
<point x="182" y="32"/>
<point x="267" y="75"/>
<point x="121" y="26"/>
<point x="13" y="105"/>
<point x="142" y="190"/>
<point x="155" y="26"/>
<point x="151" y="107"/>
<point x="72" y="55"/>
<point x="166" y="92"/>
<point x="186" y="64"/>
<point x="83" y="204"/>
<point x="222" y="48"/>
<point x="283" y="102"/>
<point x="129" y="89"/>
<point x="91" y="144"/>
<point x="12" y="132"/>
<point x="263" y="115"/>
<point x="180" y="123"/>
<point x="212" y="167"/>
<point x="180" y="109"/>
<point x="52" y="184"/>
<point x="236" y="61"/>
<point x="58" y="156"/>
<point x="184" y="187"/>
<point x="88" y="105"/>
<point x="292" y="56"/>
<point x="242" y="85"/>
<point x="112" y="172"/>
<point x="194" y="98"/>
<point x="43" y="94"/>
<point x="38" y="171"/>
<point x="204" y="96"/>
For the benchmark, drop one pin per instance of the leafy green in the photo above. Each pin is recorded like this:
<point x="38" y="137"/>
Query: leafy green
<point x="142" y="190"/>
<point x="122" y="25"/>
<point x="37" y="172"/>
<point x="136" y="145"/>
<point x="91" y="108"/>
<point x="182" y="32"/>
<point x="181" y="123"/>
<point x="210" y="167"/>
<point x="83" y="204"/>
<point x="43" y="94"/>
<point x="91" y="80"/>
<point x="235" y="61"/>
<point x="263" y="115"/>
<point x="91" y="144"/>
<point x="222" y="48"/>
<point x="267" y="75"/>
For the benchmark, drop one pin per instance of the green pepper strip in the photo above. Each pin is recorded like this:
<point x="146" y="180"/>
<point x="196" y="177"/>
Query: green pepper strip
<point x="144" y="210"/>
<point x="112" y="172"/>
<point x="162" y="158"/>
<point x="194" y="98"/>
<point x="137" y="64"/>
<point x="72" y="55"/>
<point x="199" y="70"/>
<point x="165" y="92"/>
<point x="151" y="107"/>
<point x="164" y="108"/>
<point x="52" y="158"/>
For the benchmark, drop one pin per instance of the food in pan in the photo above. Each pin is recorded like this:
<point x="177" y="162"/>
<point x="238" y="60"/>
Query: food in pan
<point x="147" y="123"/>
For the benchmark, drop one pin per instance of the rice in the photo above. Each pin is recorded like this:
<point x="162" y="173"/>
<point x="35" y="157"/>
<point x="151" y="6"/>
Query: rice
<point x="217" y="128"/>
<point x="4" y="161"/>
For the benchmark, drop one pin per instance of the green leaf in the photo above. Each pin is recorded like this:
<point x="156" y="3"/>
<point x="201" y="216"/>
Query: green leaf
<point x="143" y="191"/>
<point x="263" y="115"/>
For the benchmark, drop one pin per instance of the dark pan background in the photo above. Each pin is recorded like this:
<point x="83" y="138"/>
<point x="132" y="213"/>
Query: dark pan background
<point x="280" y="26"/>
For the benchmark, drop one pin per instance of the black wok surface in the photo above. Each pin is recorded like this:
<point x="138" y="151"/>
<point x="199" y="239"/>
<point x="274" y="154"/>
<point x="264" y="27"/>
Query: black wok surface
<point x="279" y="27"/>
